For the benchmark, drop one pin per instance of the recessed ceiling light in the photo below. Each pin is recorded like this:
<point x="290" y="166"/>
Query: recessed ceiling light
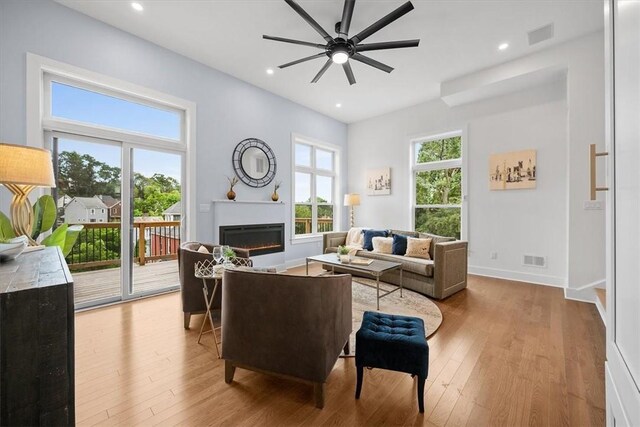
<point x="269" y="71"/>
<point x="503" y="46"/>
<point x="338" y="105"/>
<point x="137" y="6"/>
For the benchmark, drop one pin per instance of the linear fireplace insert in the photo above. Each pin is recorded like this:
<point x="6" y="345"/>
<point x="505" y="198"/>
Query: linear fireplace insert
<point x="259" y="239"/>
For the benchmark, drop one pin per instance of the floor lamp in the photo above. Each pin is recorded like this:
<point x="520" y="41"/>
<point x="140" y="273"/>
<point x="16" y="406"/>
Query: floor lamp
<point x="351" y="200"/>
<point x="22" y="169"/>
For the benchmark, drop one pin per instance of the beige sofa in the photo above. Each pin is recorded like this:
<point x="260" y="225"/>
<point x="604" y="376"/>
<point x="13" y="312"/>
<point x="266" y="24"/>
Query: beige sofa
<point x="441" y="276"/>
<point x="291" y="326"/>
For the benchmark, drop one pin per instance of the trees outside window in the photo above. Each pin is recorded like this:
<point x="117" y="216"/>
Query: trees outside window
<point x="437" y="170"/>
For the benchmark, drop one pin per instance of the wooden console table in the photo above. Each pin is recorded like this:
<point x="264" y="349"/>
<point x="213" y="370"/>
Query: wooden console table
<point x="37" y="340"/>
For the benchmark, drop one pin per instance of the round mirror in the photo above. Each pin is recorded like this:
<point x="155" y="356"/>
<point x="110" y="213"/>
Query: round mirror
<point x="254" y="162"/>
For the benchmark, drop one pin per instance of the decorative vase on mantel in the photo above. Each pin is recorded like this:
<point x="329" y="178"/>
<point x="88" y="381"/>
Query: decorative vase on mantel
<point x="231" y="195"/>
<point x="275" y="197"/>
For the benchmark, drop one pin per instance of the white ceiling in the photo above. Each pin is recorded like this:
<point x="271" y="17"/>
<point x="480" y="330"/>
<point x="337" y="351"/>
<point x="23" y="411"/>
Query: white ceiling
<point x="457" y="37"/>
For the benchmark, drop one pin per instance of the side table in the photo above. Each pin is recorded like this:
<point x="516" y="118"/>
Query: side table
<point x="206" y="270"/>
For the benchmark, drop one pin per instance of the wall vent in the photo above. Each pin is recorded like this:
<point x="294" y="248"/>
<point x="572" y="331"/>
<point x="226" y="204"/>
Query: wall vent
<point x="534" y="261"/>
<point x="541" y="34"/>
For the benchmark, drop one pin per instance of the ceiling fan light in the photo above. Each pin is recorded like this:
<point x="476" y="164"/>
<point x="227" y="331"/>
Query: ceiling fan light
<point x="340" y="57"/>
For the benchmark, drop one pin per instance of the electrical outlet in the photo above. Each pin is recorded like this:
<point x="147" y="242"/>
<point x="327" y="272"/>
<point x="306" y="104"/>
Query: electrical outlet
<point x="493" y="255"/>
<point x="205" y="207"/>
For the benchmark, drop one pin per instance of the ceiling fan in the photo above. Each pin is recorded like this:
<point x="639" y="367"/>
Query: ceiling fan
<point x="342" y="48"/>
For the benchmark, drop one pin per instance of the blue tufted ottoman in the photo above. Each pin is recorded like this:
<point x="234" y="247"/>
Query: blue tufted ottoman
<point x="393" y="342"/>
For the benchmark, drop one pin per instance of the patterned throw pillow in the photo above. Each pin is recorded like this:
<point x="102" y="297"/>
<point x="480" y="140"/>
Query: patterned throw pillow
<point x="418" y="248"/>
<point x="382" y="245"/>
<point x="399" y="244"/>
<point x="367" y="243"/>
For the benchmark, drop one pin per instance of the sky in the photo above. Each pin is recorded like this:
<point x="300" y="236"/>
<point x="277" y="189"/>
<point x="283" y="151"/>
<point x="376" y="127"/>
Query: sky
<point x="85" y="106"/>
<point x="324" y="160"/>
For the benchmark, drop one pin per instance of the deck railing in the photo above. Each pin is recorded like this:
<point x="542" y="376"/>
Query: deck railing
<point x="98" y="244"/>
<point x="303" y="225"/>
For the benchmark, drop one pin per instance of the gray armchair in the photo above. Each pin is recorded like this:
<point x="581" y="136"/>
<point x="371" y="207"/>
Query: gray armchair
<point x="292" y="326"/>
<point x="190" y="286"/>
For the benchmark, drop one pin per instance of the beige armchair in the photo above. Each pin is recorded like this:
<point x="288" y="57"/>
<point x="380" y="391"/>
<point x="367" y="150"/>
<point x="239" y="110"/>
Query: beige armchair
<point x="291" y="326"/>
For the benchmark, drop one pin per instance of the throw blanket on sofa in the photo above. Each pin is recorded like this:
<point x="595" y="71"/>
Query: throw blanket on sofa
<point x="354" y="240"/>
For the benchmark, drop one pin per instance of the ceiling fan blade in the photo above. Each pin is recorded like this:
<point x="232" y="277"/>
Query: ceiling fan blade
<point x="349" y="72"/>
<point x="387" y="45"/>
<point x="372" y="62"/>
<point x="345" y="22"/>
<point x="300" y="42"/>
<point x="381" y="23"/>
<point x="308" y="58"/>
<point x="324" y="68"/>
<point x="295" y="6"/>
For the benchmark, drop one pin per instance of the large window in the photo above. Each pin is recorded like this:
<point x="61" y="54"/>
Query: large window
<point x="314" y="188"/>
<point x="437" y="179"/>
<point x="71" y="102"/>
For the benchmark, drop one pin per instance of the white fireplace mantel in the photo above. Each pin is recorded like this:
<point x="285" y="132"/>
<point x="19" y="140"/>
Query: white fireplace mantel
<point x="257" y="202"/>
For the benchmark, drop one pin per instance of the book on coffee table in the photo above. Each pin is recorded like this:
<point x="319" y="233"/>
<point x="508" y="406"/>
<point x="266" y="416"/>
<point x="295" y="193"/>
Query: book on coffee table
<point x="361" y="261"/>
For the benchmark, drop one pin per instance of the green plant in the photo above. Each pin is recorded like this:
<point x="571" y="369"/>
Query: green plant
<point x="44" y="214"/>
<point x="343" y="250"/>
<point x="229" y="253"/>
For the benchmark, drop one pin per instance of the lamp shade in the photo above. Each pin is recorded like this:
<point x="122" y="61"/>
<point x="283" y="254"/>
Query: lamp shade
<point x="22" y="165"/>
<point x="352" y="199"/>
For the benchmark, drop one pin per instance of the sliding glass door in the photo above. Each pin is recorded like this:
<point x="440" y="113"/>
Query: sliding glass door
<point x="157" y="214"/>
<point x="88" y="193"/>
<point x="108" y="187"/>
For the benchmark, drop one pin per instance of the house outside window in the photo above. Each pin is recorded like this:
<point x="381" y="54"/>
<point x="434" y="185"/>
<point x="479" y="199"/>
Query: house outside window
<point x="314" y="187"/>
<point x="437" y="173"/>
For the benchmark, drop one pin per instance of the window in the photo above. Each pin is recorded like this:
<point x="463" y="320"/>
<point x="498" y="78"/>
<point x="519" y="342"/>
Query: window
<point x="72" y="102"/>
<point x="92" y="211"/>
<point x="437" y="179"/>
<point x="314" y="188"/>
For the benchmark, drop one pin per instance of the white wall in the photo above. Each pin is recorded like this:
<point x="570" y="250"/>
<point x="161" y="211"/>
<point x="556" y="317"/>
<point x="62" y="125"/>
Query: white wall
<point x="228" y="110"/>
<point x="559" y="119"/>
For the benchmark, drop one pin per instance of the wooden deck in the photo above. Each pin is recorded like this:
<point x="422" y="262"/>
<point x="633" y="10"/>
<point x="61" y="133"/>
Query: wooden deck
<point x="90" y="286"/>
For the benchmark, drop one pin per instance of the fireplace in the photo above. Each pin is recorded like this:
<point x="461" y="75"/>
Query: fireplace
<point x="259" y="239"/>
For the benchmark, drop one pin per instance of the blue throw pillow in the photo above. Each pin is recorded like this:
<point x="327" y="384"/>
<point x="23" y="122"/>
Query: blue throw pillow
<point x="399" y="246"/>
<point x="369" y="235"/>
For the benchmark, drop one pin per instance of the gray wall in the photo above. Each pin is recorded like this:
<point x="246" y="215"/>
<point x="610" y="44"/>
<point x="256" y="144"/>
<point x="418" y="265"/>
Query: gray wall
<point x="228" y="110"/>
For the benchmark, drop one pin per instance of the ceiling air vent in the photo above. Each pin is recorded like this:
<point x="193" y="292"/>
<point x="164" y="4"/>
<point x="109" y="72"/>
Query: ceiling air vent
<point x="534" y="261"/>
<point x="540" y="34"/>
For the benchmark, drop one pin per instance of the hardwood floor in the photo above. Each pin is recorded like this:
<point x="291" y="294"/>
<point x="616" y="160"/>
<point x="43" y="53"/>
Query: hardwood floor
<point x="508" y="353"/>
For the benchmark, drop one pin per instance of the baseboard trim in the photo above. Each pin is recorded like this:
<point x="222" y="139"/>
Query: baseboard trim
<point x="536" y="279"/>
<point x="597" y="284"/>
<point x="601" y="311"/>
<point x="584" y="293"/>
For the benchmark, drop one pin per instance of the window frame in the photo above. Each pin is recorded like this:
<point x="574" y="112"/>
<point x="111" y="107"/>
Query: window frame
<point x="314" y="172"/>
<point x="40" y="123"/>
<point x="460" y="162"/>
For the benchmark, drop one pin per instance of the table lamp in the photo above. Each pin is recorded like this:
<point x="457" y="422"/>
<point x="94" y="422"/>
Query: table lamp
<point x="22" y="169"/>
<point x="351" y="200"/>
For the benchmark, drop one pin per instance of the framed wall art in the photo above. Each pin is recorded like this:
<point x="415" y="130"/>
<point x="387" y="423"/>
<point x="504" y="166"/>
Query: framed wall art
<point x="379" y="182"/>
<point x="513" y="171"/>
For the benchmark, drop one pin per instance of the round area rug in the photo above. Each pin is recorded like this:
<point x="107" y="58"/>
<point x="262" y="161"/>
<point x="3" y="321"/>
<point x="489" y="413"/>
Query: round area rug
<point x="411" y="304"/>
